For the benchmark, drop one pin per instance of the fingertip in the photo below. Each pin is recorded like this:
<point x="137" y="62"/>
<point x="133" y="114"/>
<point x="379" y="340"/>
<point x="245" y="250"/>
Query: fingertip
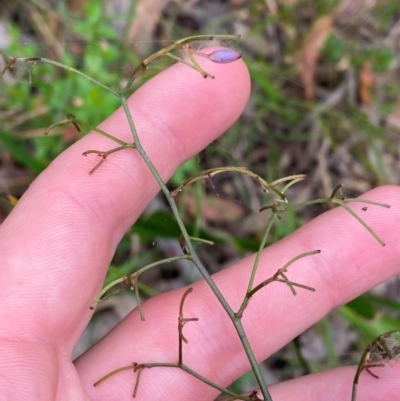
<point x="197" y="109"/>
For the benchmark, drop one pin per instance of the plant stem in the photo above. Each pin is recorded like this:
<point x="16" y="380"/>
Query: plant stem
<point x="136" y="273"/>
<point x="43" y="60"/>
<point x="259" y="252"/>
<point x="252" y="359"/>
<point x="212" y="384"/>
<point x="195" y="258"/>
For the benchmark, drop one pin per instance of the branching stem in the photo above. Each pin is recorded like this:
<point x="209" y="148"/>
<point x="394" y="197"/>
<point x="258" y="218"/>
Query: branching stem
<point x="166" y="52"/>
<point x="130" y="280"/>
<point x="196" y="259"/>
<point x="342" y="202"/>
<point x="279" y="206"/>
<point x="43" y="60"/>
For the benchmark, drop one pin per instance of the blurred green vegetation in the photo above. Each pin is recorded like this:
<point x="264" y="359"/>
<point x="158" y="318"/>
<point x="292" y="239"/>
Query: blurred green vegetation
<point x="341" y="135"/>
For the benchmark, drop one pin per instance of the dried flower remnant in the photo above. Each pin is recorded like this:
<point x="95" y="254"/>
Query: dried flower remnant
<point x="220" y="56"/>
<point x="224" y="56"/>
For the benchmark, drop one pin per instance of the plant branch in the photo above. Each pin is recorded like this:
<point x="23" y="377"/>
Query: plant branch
<point x="105" y="154"/>
<point x="166" y="52"/>
<point x="139" y="367"/>
<point x="277" y="277"/>
<point x="342" y="202"/>
<point x="207" y="174"/>
<point x="259" y="252"/>
<point x="195" y="258"/>
<point x="181" y="322"/>
<point x="42" y="60"/>
<point x="130" y="279"/>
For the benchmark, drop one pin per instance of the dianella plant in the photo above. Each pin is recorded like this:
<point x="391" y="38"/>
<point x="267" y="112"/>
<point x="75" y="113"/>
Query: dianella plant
<point x="385" y="348"/>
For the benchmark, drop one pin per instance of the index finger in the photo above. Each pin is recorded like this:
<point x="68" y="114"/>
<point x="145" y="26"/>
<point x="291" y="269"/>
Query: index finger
<point x="69" y="222"/>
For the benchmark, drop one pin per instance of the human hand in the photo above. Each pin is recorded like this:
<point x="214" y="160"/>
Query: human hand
<point x="57" y="243"/>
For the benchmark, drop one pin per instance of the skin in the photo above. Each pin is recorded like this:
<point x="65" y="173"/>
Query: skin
<point x="58" y="241"/>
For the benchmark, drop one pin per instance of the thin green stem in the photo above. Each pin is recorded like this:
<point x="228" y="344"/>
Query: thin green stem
<point x="195" y="258"/>
<point x="291" y="206"/>
<point x="105" y="154"/>
<point x="360" y="220"/>
<point x="198" y="197"/>
<point x="135" y="390"/>
<point x="112" y="137"/>
<point x="139" y="367"/>
<point x="114" y="372"/>
<point x="293" y="182"/>
<point x="202" y="240"/>
<point x="340" y="202"/>
<point x="275" y="277"/>
<point x="368" y="201"/>
<point x="295" y="178"/>
<point x="137" y="296"/>
<point x="36" y="60"/>
<point x="292" y="284"/>
<point x="181" y="323"/>
<point x="207" y="174"/>
<point x="252" y="359"/>
<point x="125" y="279"/>
<point x="302" y="255"/>
<point x="174" y="208"/>
<point x="259" y="252"/>
<point x="212" y="384"/>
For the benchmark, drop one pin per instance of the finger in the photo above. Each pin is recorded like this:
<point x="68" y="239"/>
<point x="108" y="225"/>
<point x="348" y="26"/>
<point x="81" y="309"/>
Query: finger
<point x="59" y="240"/>
<point x="337" y="384"/>
<point x="351" y="261"/>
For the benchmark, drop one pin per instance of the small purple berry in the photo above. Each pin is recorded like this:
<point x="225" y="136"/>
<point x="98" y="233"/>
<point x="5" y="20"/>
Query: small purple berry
<point x="224" y="56"/>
